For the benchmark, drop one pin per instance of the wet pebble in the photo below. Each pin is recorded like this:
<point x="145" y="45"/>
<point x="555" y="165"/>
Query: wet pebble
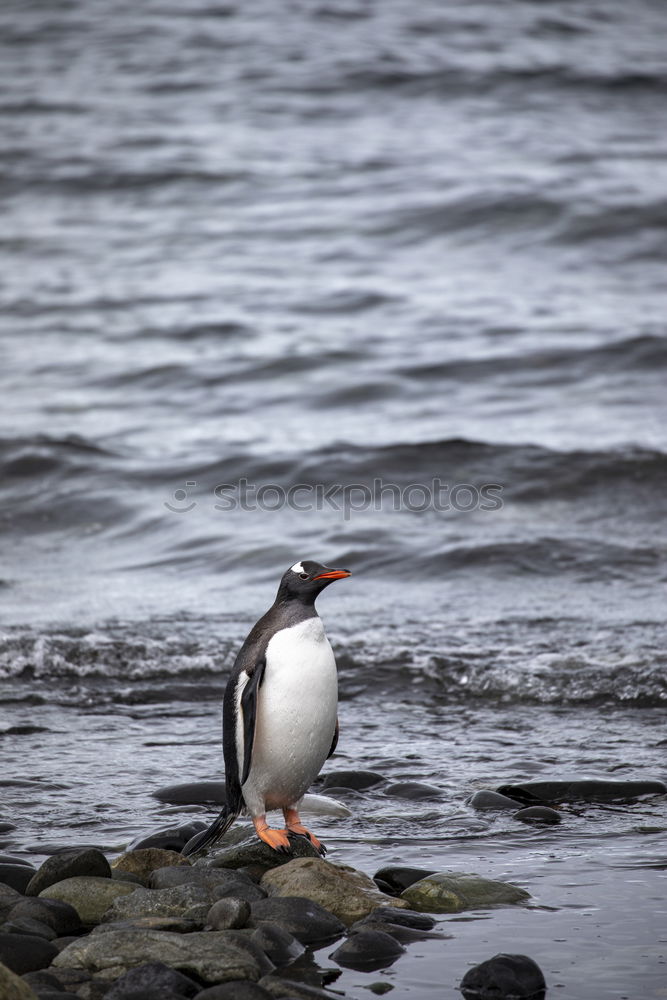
<point x="516" y="976"/>
<point x="415" y="791"/>
<point x="485" y="798"/>
<point x="9" y="859"/>
<point x="538" y="815"/>
<point x="226" y="914"/>
<point x="68" y="864"/>
<point x="369" y="949"/>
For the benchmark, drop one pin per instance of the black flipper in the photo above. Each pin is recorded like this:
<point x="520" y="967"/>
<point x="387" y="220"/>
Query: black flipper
<point x="249" y="712"/>
<point x="207" y="838"/>
<point x="334" y="743"/>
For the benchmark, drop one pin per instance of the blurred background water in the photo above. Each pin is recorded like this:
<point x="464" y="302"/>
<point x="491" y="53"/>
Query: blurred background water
<point x="333" y="244"/>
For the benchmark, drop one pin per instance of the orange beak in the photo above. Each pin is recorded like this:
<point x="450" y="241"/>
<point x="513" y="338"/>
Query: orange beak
<point x="334" y="574"/>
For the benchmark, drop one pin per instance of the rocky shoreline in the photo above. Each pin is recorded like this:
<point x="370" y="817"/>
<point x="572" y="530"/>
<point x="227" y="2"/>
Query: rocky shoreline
<point x="243" y="921"/>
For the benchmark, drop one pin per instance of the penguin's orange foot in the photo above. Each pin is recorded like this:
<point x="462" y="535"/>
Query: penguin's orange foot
<point x="294" y="825"/>
<point x="277" y="839"/>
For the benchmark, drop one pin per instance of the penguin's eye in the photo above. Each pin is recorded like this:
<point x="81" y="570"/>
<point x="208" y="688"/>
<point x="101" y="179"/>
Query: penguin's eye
<point x="303" y="576"/>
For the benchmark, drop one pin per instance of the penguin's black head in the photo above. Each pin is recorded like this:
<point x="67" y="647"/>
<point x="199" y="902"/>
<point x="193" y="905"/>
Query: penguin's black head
<point x="304" y="580"/>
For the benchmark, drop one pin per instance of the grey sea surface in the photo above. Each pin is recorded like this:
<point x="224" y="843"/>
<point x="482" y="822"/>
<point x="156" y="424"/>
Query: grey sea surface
<point x="396" y="255"/>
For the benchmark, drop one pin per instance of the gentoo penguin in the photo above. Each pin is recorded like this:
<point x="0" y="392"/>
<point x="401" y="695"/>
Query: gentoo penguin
<point x="279" y="721"/>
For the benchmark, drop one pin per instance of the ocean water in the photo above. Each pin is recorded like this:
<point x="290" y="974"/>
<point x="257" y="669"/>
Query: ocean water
<point x="379" y="284"/>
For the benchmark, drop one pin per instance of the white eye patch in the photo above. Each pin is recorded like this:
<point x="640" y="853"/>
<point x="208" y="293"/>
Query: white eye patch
<point x="297" y="568"/>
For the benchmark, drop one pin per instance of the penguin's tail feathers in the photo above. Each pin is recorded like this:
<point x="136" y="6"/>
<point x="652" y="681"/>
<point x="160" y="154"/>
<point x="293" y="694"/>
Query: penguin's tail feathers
<point x="208" y="838"/>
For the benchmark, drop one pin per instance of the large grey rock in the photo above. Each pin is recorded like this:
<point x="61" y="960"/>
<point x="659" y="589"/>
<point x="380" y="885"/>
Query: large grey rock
<point x="345" y="892"/>
<point x="12" y="986"/>
<point x="91" y="897"/>
<point x="144" y="861"/>
<point x="152" y="980"/>
<point x="516" y="976"/>
<point x="309" y="922"/>
<point x="451" y="892"/>
<point x="69" y="864"/>
<point x="211" y="955"/>
<point x="190" y="902"/>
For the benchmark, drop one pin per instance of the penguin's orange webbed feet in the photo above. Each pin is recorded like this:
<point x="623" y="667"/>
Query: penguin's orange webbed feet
<point x="294" y="825"/>
<point x="277" y="839"/>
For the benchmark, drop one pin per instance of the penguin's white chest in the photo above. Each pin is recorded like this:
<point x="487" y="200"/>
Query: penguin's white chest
<point x="296" y="717"/>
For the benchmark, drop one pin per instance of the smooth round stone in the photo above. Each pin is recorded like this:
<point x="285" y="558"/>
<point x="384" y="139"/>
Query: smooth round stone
<point x="402" y="918"/>
<point x="60" y="916"/>
<point x="538" y="815"/>
<point x="394" y="880"/>
<point x="309" y="922"/>
<point x="174" y="838"/>
<point x="9" y="859"/>
<point x="69" y="864"/>
<point x="228" y="914"/>
<point x="451" y="892"/>
<point x="357" y="780"/>
<point x="368" y="949"/>
<point x="152" y="979"/>
<point x="25" y="952"/>
<point x="504" y="976"/>
<point x="253" y="852"/>
<point x="278" y="945"/>
<point x="16" y="876"/>
<point x="415" y="791"/>
<point x="8" y="899"/>
<point x="485" y="798"/>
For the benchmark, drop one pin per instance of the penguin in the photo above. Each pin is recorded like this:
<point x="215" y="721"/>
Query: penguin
<point x="279" y="712"/>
